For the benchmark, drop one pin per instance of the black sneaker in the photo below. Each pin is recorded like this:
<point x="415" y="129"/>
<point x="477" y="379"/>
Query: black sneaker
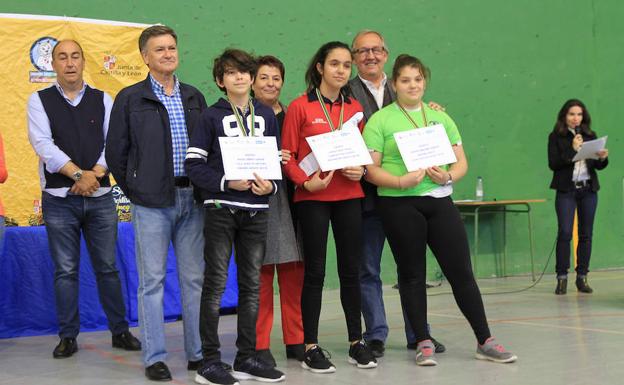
<point x="315" y="361"/>
<point x="266" y="356"/>
<point x="213" y="373"/>
<point x="361" y="355"/>
<point x="253" y="368"/>
<point x="377" y="347"/>
<point x="195" y="365"/>
<point x="439" y="348"/>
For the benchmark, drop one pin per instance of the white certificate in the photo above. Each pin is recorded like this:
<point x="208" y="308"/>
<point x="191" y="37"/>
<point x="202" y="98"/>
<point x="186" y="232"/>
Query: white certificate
<point x="589" y="150"/>
<point x="309" y="165"/>
<point x="339" y="149"/>
<point x="243" y="156"/>
<point x="425" y="147"/>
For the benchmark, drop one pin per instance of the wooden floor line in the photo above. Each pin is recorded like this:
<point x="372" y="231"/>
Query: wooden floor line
<point x="577" y="328"/>
<point x="576" y="316"/>
<point x="340" y="317"/>
<point x="526" y="321"/>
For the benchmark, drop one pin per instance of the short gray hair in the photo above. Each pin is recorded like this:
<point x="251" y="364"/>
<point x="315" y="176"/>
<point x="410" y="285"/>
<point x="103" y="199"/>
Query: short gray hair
<point x="153" y="31"/>
<point x="366" y="32"/>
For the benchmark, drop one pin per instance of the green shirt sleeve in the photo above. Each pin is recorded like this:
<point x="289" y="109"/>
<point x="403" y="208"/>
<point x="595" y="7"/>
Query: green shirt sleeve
<point x="451" y="130"/>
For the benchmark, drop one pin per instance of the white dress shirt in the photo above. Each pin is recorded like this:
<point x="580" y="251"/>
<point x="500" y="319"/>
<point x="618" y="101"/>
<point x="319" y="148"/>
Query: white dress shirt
<point x="40" y="136"/>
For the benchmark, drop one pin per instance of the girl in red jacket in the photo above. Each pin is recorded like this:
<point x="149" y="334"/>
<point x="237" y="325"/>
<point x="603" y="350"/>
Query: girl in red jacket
<point x="321" y="198"/>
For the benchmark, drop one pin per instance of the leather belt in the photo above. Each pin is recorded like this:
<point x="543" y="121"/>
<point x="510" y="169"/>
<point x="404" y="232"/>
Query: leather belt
<point x="581" y="184"/>
<point x="182" y="181"/>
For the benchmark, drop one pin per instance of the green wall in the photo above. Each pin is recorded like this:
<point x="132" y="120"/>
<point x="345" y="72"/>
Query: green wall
<point x="501" y="69"/>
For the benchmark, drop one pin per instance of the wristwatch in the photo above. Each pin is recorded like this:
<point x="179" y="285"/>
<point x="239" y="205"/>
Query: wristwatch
<point x="449" y="182"/>
<point x="77" y="175"/>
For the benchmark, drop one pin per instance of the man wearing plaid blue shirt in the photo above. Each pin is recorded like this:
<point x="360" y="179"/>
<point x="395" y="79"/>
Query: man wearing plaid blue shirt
<point x="145" y="150"/>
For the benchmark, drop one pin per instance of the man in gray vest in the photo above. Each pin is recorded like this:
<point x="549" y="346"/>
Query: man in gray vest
<point x="67" y="127"/>
<point x="373" y="89"/>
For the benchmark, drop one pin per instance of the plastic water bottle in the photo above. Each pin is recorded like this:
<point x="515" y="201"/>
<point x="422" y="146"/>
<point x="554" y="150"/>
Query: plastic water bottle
<point x="479" y="189"/>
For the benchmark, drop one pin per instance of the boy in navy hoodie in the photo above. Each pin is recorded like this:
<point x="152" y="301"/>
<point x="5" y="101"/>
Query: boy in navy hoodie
<point x="236" y="216"/>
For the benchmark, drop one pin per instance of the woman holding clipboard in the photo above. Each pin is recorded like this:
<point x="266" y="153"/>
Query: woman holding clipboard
<point x="321" y="198"/>
<point x="417" y="210"/>
<point x="577" y="186"/>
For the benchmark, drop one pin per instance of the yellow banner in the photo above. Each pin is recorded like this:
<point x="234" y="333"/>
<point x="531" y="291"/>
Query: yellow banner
<point x="112" y="62"/>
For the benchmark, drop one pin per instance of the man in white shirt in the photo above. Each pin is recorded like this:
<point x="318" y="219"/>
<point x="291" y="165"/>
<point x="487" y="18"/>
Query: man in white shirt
<point x="67" y="127"/>
<point x="373" y="89"/>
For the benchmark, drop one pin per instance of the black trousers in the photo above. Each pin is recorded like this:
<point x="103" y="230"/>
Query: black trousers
<point x="412" y="223"/>
<point x="346" y="220"/>
<point x="246" y="232"/>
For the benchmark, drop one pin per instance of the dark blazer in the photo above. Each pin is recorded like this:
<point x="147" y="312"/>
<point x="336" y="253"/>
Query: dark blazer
<point x="139" y="153"/>
<point x="560" y="154"/>
<point x="361" y="93"/>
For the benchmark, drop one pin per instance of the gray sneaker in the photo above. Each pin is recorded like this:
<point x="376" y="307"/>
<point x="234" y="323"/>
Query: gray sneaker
<point x="492" y="351"/>
<point x="425" y="354"/>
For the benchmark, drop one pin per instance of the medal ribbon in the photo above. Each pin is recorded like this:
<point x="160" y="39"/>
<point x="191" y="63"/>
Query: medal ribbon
<point x="240" y="119"/>
<point x="407" y="115"/>
<point x="324" y="108"/>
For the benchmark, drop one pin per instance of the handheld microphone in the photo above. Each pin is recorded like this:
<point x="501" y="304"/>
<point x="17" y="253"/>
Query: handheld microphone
<point x="577" y="130"/>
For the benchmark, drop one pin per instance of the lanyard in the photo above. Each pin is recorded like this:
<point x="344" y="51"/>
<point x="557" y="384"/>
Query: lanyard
<point x="407" y="115"/>
<point x="240" y="120"/>
<point x="324" y="108"/>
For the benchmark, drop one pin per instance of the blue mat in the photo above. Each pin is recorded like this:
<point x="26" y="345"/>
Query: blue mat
<point x="27" y="303"/>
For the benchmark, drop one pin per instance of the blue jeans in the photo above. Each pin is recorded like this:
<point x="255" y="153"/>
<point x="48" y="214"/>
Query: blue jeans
<point x="246" y="233"/>
<point x="65" y="218"/>
<point x="585" y="200"/>
<point x="373" y="310"/>
<point x="155" y="229"/>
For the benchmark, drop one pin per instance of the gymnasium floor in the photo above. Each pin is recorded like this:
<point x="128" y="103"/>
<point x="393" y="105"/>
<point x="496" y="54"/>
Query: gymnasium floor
<point x="572" y="339"/>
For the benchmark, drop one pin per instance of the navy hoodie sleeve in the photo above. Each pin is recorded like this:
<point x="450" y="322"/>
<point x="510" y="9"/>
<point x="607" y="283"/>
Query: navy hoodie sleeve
<point x="201" y="142"/>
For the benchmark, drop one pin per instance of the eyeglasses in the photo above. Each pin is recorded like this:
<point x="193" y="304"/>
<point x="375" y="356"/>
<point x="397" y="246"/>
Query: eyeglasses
<point x="374" y="50"/>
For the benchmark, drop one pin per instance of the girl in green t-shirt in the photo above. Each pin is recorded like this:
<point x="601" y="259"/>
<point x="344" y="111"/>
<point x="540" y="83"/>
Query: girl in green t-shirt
<point x="417" y="210"/>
